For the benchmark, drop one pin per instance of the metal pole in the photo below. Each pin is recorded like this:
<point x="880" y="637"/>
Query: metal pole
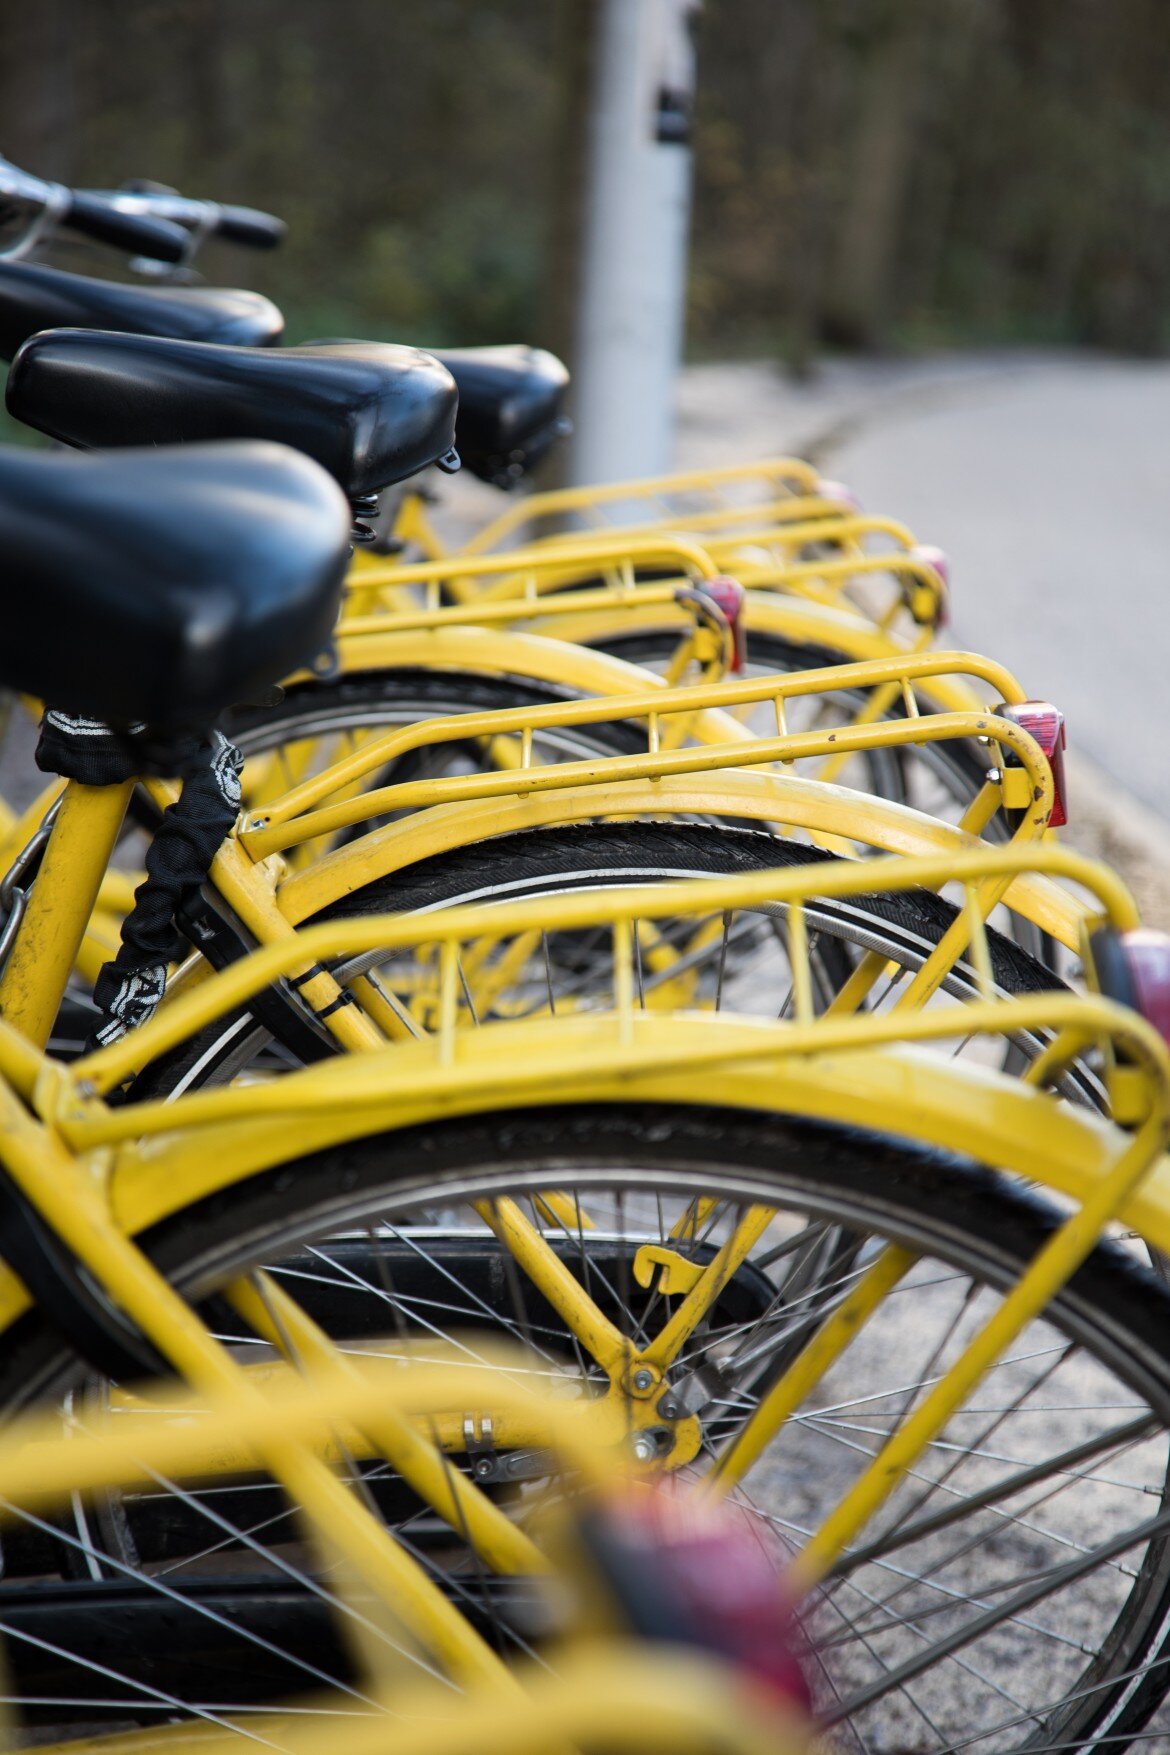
<point x="633" y="272"/>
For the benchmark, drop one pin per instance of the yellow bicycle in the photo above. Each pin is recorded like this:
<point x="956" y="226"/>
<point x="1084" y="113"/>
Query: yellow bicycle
<point x="786" y="1261"/>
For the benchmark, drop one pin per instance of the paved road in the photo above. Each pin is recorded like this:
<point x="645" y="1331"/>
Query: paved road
<point x="1047" y="480"/>
<point x="1046" y="477"/>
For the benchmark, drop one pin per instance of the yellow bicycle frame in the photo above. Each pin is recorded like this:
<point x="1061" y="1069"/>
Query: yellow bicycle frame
<point x="858" y="1069"/>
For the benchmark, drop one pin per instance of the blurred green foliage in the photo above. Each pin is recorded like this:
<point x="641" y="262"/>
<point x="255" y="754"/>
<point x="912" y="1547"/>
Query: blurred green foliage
<point x="869" y="173"/>
<point x="882" y="171"/>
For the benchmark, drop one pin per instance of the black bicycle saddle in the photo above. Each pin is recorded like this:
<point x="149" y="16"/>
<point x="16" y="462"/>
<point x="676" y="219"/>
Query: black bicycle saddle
<point x="34" y="297"/>
<point x="161" y="586"/>
<point x="369" y="413"/>
<point x="511" y="408"/>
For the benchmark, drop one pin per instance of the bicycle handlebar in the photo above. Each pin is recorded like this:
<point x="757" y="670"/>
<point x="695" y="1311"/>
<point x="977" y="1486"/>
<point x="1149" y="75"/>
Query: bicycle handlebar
<point x="91" y="214"/>
<point x="139" y="234"/>
<point x="248" y="226"/>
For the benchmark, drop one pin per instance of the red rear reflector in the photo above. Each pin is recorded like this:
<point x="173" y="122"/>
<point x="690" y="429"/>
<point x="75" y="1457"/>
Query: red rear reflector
<point x="1134" y="969"/>
<point x="1044" y="722"/>
<point x="707" y="1575"/>
<point x="839" y="494"/>
<point x="935" y="558"/>
<point x="729" y="596"/>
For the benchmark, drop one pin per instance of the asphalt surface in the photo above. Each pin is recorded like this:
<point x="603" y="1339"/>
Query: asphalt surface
<point x="1045" y="477"/>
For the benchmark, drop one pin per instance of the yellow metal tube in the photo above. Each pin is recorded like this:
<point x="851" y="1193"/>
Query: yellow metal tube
<point x="233" y="986"/>
<point x="279" y="1319"/>
<point x="814" y="1359"/>
<point x="606" y="771"/>
<point x="555" y="502"/>
<point x="881" y="675"/>
<point x="597" y="550"/>
<point x="878" y="1078"/>
<point x="664" y="1348"/>
<point x="562" y="1288"/>
<point x="60" y="904"/>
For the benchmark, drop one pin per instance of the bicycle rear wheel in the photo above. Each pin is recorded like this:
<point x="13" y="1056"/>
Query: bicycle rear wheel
<point x="1053" y="1475"/>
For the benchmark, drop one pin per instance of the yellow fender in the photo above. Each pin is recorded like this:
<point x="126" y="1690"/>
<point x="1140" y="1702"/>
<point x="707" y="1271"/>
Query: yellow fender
<point x="921" y="1096"/>
<point x="826" y="811"/>
<point x="501" y="652"/>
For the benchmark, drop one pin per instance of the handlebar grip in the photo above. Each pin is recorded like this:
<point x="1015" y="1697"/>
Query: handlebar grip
<point x="249" y="226"/>
<point x="100" y="219"/>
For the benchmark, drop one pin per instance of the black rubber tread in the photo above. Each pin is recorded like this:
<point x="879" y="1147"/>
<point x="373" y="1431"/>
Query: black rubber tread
<point x="949" y="1206"/>
<point x="625" y="850"/>
<point x="711" y="848"/>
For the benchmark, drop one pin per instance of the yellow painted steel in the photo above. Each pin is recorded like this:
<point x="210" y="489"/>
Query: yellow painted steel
<point x="236" y="877"/>
<point x="815" y="1358"/>
<point x="601" y="1339"/>
<point x="708" y="720"/>
<point x="536" y="567"/>
<point x="697" y="1303"/>
<point x="509" y="652"/>
<point x="166" y="1427"/>
<point x="768" y="555"/>
<point x="883" y="677"/>
<point x="502" y="650"/>
<point x="779" y="524"/>
<point x="19" y="830"/>
<point x="828" y="814"/>
<point x="351" y="1080"/>
<point x="79" y="1214"/>
<point x="601" y="774"/>
<point x="233" y="986"/>
<point x="441" y="1434"/>
<point x="777" y="527"/>
<point x="60" y="906"/>
<point x="616" y="1072"/>
<point x="588" y="671"/>
<point x="793" y="1061"/>
<point x="492" y="651"/>
<point x="860" y="1069"/>
<point x="767" y="558"/>
<point x="538" y="591"/>
<point x="868" y="1086"/>
<point x="847" y="1067"/>
<point x="786" y="474"/>
<point x="269" y="916"/>
<point x="519" y="606"/>
<point x="279" y="1319"/>
<point x="635" y="1699"/>
<point x="689" y="1703"/>
<point x="1036" y="1288"/>
<point x="956" y="1108"/>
